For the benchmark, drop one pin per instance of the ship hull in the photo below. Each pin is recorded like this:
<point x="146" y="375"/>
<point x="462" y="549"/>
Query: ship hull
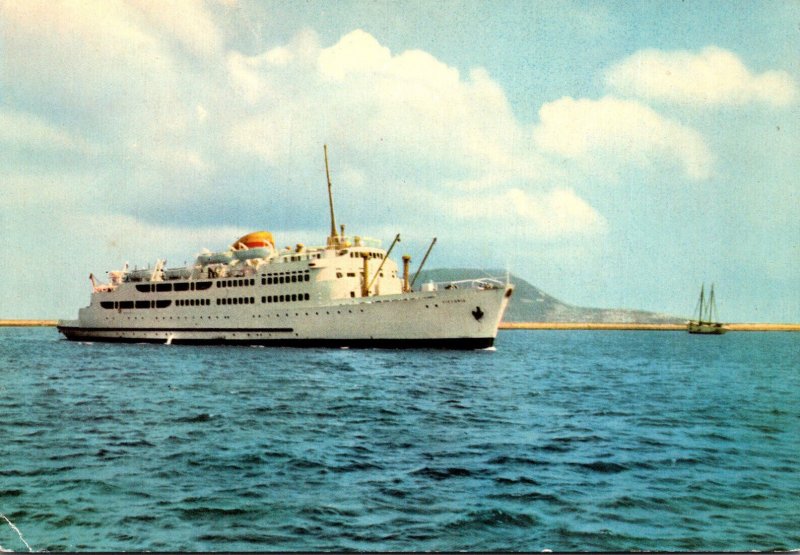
<point x="445" y="319"/>
<point x="211" y="337"/>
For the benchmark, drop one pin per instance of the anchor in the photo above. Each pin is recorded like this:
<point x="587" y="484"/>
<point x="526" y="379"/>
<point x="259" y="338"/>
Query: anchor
<point x="477" y="313"/>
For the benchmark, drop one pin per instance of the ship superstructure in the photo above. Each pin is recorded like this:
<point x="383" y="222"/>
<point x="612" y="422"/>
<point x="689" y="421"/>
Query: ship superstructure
<point x="346" y="293"/>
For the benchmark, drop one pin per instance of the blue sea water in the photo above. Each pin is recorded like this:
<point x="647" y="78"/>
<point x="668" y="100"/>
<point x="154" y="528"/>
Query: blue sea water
<point x="557" y="440"/>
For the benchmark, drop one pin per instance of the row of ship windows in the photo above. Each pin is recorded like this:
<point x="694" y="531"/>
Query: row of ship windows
<point x="236" y="282"/>
<point x="299" y="258"/>
<point x="120" y="305"/>
<point x="193" y="302"/>
<point x="283" y="277"/>
<point x="267" y="299"/>
<point x="371" y="255"/>
<point x="350" y="274"/>
<point x="180" y="286"/>
<point x="286" y="298"/>
<point x="237" y="300"/>
<point x="286" y="273"/>
<point x="273" y="280"/>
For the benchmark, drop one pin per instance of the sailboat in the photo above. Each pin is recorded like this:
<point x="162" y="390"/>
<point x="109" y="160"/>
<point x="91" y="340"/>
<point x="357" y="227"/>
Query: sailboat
<point x="706" y="315"/>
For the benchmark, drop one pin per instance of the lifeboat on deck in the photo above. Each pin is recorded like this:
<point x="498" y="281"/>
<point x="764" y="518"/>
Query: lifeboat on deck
<point x="258" y="244"/>
<point x="254" y="240"/>
<point x="215" y="257"/>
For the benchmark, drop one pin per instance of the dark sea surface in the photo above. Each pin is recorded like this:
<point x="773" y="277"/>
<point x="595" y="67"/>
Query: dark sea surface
<point x="560" y="440"/>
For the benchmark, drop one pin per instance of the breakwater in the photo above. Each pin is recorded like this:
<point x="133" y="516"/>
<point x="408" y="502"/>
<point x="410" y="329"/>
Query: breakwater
<point x="615" y="326"/>
<point x="26" y="323"/>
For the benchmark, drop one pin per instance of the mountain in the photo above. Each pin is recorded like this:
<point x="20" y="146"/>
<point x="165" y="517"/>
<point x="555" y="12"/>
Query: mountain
<point x="531" y="304"/>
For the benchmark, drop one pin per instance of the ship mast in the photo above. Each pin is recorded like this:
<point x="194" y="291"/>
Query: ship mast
<point x="333" y="238"/>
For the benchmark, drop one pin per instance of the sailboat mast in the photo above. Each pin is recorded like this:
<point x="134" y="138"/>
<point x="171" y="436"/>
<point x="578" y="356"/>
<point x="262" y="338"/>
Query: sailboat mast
<point x="712" y="308"/>
<point x="702" y="302"/>
<point x="333" y="239"/>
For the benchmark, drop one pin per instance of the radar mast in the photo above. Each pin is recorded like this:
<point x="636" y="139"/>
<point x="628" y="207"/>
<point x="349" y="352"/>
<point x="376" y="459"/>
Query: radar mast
<point x="333" y="238"/>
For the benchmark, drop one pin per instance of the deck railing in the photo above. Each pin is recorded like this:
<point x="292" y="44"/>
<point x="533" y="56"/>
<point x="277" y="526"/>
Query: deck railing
<point x="477" y="283"/>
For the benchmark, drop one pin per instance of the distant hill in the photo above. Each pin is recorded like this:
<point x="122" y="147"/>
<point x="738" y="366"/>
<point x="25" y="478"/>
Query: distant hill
<point x="531" y="304"/>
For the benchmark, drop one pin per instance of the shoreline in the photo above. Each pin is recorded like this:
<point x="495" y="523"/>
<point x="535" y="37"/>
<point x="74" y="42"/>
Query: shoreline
<point x="606" y="326"/>
<point x="27" y="323"/>
<point x="637" y="327"/>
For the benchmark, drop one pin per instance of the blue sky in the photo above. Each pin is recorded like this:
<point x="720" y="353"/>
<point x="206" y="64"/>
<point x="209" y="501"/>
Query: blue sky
<point x="613" y="154"/>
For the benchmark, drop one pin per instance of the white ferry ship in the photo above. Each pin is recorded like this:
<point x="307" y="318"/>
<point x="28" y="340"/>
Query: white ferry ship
<point x="348" y="293"/>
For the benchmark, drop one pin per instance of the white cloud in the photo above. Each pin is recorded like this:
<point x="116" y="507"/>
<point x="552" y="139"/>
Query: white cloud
<point x="27" y="197"/>
<point x="357" y="52"/>
<point x="611" y="133"/>
<point x="274" y="75"/>
<point x="127" y="238"/>
<point x="549" y="215"/>
<point x="115" y="71"/>
<point x="18" y="129"/>
<point x="713" y="76"/>
<point x="87" y="53"/>
<point x="359" y="96"/>
<point x="187" y="23"/>
<point x="169" y="104"/>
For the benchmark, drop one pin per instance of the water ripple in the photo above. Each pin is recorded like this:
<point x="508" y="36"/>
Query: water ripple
<point x="601" y="441"/>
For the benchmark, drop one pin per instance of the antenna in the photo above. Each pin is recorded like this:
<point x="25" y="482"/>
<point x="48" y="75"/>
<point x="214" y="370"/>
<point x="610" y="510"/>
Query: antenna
<point x="334" y="238"/>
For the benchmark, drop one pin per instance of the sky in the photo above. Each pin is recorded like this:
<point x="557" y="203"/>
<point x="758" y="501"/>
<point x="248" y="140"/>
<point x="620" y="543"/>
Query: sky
<point x="614" y="154"/>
